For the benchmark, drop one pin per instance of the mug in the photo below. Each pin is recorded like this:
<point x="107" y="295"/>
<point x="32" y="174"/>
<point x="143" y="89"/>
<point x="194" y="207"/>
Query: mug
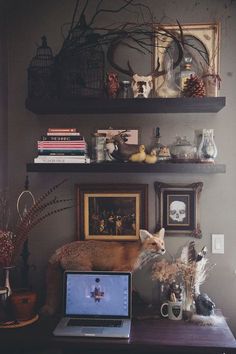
<point x="173" y="310"/>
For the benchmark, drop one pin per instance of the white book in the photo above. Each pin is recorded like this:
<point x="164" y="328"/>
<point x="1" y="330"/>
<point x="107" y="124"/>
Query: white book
<point x="62" y="159"/>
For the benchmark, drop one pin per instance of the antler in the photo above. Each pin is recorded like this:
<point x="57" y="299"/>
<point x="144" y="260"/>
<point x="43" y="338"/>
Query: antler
<point x="111" y="52"/>
<point x="125" y="35"/>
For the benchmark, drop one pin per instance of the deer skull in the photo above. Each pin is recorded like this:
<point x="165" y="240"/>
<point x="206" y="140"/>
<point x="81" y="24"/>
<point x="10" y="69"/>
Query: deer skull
<point x="177" y="211"/>
<point x="142" y="85"/>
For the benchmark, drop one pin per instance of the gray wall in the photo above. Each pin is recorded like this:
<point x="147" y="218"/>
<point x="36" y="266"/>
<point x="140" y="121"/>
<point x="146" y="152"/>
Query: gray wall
<point x="27" y="22"/>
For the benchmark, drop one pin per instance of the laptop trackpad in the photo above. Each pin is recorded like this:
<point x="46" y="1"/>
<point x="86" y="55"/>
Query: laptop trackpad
<point x="92" y="330"/>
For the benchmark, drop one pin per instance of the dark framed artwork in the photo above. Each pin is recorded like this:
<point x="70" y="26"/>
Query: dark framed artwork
<point x="111" y="211"/>
<point x="179" y="208"/>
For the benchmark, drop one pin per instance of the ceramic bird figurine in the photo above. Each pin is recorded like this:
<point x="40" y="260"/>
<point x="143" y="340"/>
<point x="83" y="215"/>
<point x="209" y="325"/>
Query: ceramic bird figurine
<point x="152" y="157"/>
<point x="139" y="156"/>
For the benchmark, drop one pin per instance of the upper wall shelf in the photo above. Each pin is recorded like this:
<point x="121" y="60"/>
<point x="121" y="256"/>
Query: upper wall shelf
<point x="129" y="167"/>
<point x="130" y="105"/>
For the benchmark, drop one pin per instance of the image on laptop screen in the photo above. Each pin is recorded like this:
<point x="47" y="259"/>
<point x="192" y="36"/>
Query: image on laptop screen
<point x="97" y="294"/>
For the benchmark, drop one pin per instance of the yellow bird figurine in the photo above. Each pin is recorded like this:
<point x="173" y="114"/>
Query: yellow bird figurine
<point x="152" y="157"/>
<point x="139" y="156"/>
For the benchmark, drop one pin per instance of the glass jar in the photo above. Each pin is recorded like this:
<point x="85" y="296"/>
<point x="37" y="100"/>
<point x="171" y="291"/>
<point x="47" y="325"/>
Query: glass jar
<point x="207" y="150"/>
<point x="182" y="149"/>
<point x="98" y="147"/>
<point x="125" y="89"/>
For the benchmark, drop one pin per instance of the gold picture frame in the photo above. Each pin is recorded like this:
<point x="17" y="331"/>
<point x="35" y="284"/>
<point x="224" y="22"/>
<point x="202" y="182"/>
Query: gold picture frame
<point x="111" y="211"/>
<point x="202" y="42"/>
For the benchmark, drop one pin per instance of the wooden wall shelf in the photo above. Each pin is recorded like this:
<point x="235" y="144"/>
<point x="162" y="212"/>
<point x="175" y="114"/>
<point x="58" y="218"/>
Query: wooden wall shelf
<point x="131" y="105"/>
<point x="117" y="167"/>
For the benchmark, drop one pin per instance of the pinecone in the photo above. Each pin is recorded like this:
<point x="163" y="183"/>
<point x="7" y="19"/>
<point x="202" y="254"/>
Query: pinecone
<point x="194" y="87"/>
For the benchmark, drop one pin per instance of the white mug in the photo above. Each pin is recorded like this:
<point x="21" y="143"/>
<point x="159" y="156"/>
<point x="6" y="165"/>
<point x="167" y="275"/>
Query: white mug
<point x="173" y="310"/>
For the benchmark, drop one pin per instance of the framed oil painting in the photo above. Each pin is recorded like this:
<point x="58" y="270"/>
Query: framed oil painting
<point x="201" y="43"/>
<point x="179" y="208"/>
<point x="111" y="211"/>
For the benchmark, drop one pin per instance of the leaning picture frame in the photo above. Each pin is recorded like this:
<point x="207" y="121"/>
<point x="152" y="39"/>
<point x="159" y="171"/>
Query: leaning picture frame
<point x="179" y="208"/>
<point x="201" y="41"/>
<point x="111" y="211"/>
<point x="132" y="134"/>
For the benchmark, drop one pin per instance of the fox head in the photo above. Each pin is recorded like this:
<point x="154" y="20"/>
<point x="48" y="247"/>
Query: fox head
<point x="153" y="243"/>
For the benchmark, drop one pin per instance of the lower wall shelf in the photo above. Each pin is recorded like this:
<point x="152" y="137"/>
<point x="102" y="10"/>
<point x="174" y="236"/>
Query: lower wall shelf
<point x="117" y="167"/>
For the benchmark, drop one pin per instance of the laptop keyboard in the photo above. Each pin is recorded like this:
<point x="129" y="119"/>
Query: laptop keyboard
<point x="94" y="323"/>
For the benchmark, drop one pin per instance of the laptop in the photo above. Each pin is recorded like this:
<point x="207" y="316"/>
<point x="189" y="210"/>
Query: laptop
<point x="96" y="304"/>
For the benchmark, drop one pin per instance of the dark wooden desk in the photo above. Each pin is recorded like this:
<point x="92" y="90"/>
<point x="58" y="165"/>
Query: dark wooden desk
<point x="147" y="336"/>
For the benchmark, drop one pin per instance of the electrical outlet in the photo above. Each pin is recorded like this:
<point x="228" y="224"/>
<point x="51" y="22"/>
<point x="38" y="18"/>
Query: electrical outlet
<point x="218" y="243"/>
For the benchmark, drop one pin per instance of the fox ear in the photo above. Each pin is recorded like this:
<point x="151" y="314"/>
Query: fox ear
<point x="160" y="234"/>
<point x="144" y="234"/>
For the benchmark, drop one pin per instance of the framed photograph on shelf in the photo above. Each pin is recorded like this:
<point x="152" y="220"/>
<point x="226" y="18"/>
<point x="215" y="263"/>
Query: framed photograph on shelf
<point x="132" y="134"/>
<point x="179" y="208"/>
<point x="111" y="211"/>
<point x="201" y="42"/>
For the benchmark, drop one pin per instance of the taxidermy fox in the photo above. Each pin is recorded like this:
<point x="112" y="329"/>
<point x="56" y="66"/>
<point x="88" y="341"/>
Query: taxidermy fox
<point x="99" y="255"/>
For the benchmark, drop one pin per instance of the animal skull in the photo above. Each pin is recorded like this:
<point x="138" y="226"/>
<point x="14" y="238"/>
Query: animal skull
<point x="177" y="211"/>
<point x="142" y="85"/>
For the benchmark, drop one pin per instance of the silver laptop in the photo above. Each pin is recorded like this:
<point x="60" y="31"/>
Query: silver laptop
<point x="96" y="304"/>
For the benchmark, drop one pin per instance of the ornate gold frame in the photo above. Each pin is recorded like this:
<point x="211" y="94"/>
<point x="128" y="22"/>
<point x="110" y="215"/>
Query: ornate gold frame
<point x="208" y="34"/>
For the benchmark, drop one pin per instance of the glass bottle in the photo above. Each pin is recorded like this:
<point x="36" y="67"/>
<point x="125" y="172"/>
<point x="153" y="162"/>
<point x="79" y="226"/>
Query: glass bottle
<point x="156" y="141"/>
<point x="185" y="72"/>
<point x="207" y="150"/>
<point x="125" y="89"/>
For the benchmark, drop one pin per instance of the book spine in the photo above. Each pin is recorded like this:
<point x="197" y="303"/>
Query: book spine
<point x="62" y="130"/>
<point x="61" y="160"/>
<point x="62" y="133"/>
<point x="61" y="152"/>
<point x="62" y="138"/>
<point x="61" y="145"/>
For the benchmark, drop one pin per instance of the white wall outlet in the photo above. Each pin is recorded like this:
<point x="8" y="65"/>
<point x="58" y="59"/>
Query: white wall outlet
<point x="218" y="243"/>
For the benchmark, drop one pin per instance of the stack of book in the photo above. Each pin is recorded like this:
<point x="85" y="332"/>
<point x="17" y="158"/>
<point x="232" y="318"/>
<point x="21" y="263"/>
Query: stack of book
<point x="62" y="145"/>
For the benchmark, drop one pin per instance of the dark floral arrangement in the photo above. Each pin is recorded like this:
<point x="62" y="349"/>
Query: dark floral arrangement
<point x="12" y="241"/>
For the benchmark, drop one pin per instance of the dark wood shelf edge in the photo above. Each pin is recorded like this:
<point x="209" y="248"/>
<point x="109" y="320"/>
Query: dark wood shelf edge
<point x="115" y="167"/>
<point x="131" y="105"/>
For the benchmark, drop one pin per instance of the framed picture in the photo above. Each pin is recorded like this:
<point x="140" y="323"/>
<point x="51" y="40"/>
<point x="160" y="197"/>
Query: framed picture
<point x="132" y="134"/>
<point x="179" y="208"/>
<point x="111" y="211"/>
<point x="201" y="43"/>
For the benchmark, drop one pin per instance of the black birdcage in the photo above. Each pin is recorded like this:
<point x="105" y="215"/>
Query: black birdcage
<point x="80" y="65"/>
<point x="41" y="76"/>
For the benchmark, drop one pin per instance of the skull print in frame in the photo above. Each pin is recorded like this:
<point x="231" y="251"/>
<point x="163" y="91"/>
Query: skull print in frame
<point x="179" y="208"/>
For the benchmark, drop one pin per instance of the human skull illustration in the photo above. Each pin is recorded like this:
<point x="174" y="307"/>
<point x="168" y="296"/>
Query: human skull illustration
<point x="177" y="211"/>
<point x="142" y="85"/>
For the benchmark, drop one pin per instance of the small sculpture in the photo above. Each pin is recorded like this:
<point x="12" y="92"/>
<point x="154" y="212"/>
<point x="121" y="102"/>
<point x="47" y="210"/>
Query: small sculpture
<point x="138" y="156"/>
<point x="142" y="85"/>
<point x="112" y="84"/>
<point x="152" y="157"/>
<point x="123" y="150"/>
<point x="164" y="153"/>
<point x="204" y="305"/>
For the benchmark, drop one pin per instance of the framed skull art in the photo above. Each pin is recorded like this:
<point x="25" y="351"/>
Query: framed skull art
<point x="179" y="208"/>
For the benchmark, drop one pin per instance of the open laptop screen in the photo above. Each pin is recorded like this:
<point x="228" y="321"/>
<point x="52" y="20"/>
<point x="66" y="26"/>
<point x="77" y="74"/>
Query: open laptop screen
<point x="97" y="294"/>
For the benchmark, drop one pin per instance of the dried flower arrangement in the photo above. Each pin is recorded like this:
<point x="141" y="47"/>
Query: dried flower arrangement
<point x="11" y="242"/>
<point x="191" y="269"/>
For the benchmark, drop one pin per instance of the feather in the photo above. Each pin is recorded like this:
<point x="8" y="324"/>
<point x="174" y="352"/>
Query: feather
<point x="191" y="252"/>
<point x="184" y="255"/>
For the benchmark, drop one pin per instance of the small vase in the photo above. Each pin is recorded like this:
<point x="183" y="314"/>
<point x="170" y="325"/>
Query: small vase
<point x="207" y="150"/>
<point x="7" y="281"/>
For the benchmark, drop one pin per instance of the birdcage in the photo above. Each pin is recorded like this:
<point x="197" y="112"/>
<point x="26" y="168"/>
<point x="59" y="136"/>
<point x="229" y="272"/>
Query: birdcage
<point x="41" y="73"/>
<point x="80" y="65"/>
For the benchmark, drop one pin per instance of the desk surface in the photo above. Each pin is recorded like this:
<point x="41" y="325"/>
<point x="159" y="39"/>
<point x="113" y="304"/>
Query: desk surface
<point x="162" y="336"/>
